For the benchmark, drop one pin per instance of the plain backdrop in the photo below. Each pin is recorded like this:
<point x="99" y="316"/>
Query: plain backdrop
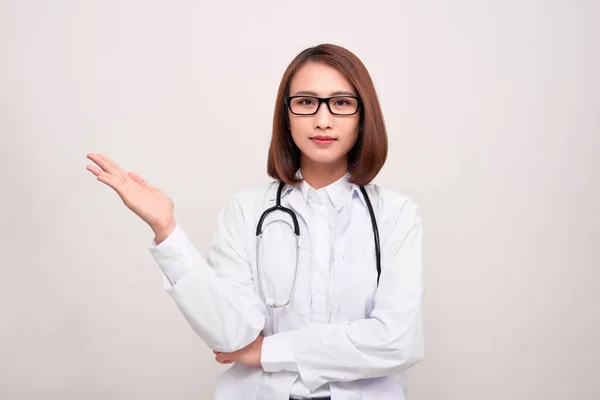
<point x="493" y="115"/>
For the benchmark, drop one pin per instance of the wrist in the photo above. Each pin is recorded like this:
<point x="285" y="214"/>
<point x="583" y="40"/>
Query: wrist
<point x="163" y="230"/>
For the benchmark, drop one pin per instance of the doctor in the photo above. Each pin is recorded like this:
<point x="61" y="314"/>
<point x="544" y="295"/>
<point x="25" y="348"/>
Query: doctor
<point x="322" y="296"/>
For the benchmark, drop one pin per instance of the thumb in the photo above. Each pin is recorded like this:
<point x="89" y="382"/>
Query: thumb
<point x="139" y="180"/>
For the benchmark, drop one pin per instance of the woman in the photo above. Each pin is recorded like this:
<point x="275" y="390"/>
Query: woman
<point x="305" y="316"/>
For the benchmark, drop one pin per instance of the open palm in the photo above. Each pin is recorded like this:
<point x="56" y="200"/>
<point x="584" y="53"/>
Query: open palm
<point x="150" y="203"/>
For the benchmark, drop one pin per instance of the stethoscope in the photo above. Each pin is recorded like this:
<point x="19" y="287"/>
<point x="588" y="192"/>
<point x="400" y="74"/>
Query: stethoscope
<point x="278" y="207"/>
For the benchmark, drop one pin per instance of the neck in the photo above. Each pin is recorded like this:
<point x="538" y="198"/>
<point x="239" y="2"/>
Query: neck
<point x="320" y="175"/>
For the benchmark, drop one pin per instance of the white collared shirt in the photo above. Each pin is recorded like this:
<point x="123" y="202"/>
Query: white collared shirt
<point x="341" y="335"/>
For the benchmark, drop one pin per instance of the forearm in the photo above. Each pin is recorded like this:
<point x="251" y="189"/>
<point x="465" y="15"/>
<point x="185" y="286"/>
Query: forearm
<point x="386" y="343"/>
<point x="225" y="313"/>
<point x="345" y="352"/>
<point x="222" y="316"/>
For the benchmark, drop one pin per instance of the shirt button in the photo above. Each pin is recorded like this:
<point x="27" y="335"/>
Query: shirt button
<point x="304" y="254"/>
<point x="304" y="310"/>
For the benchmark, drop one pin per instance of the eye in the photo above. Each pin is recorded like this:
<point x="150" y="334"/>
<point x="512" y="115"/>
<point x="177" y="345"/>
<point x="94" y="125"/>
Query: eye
<point x="306" y="102"/>
<point x="341" y="103"/>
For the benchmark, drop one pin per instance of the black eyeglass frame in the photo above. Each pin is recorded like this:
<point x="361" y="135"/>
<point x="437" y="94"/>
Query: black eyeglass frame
<point x="325" y="100"/>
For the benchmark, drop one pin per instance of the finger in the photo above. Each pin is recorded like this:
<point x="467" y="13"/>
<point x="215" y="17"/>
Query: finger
<point x="115" y="169"/>
<point x="118" y="177"/>
<point x="114" y="183"/>
<point x="139" y="180"/>
<point x="110" y="181"/>
<point x="94" y="170"/>
<point x="100" y="161"/>
<point x="101" y="175"/>
<point x="108" y="161"/>
<point x="107" y="164"/>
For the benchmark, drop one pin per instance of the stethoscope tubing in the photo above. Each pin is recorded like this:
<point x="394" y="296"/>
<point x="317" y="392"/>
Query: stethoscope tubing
<point x="296" y="229"/>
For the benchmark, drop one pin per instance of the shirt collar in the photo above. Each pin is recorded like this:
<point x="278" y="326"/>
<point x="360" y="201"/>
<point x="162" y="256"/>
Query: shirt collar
<point x="337" y="191"/>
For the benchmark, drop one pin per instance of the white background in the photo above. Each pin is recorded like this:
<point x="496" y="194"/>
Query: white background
<point x="493" y="115"/>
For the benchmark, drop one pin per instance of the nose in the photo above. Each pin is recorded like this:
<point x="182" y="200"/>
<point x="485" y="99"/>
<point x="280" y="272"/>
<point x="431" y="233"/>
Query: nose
<point x="323" y="118"/>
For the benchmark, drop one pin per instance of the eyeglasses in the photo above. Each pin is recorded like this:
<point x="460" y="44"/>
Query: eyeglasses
<point x="338" y="105"/>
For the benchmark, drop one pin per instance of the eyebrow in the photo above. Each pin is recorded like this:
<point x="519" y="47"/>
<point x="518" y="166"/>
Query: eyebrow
<point x="338" y="93"/>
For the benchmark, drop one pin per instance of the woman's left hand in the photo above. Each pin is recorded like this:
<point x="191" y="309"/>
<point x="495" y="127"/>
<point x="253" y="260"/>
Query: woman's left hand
<point x="249" y="355"/>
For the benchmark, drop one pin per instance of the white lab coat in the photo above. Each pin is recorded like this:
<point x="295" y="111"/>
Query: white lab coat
<point x="358" y="342"/>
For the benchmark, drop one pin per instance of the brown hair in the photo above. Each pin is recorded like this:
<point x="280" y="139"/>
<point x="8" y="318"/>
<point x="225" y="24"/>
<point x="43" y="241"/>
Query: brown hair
<point x="368" y="155"/>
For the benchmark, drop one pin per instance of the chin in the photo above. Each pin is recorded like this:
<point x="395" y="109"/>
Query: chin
<point x="324" y="159"/>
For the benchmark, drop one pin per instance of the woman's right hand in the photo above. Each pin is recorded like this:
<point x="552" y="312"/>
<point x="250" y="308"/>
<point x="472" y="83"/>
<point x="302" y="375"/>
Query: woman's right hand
<point x="150" y="203"/>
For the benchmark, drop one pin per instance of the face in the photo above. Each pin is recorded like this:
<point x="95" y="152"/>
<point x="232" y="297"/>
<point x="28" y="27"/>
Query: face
<point x="323" y="138"/>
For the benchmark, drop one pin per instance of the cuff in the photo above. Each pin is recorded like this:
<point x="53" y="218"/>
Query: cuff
<point x="170" y="255"/>
<point x="277" y="353"/>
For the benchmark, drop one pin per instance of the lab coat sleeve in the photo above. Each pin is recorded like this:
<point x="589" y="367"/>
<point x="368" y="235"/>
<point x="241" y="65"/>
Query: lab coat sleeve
<point x="387" y="343"/>
<point x="173" y="271"/>
<point x="216" y="295"/>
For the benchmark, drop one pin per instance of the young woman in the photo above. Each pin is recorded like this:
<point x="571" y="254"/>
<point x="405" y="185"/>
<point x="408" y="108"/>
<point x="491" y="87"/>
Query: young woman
<point x="321" y="296"/>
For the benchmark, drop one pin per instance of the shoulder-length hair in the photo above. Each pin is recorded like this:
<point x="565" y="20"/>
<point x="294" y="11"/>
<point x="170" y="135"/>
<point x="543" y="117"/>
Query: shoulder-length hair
<point x="368" y="155"/>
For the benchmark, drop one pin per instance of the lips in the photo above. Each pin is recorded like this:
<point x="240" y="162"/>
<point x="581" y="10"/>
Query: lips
<point x="323" y="139"/>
